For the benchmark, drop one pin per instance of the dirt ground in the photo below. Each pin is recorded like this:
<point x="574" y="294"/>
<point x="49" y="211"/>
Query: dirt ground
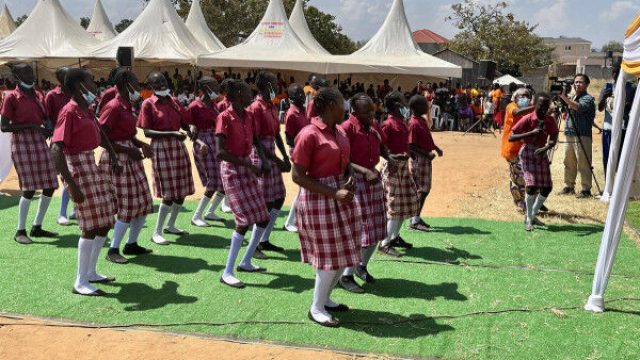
<point x="470" y="181"/>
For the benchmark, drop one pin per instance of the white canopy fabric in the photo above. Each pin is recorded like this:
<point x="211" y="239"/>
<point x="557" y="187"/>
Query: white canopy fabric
<point x="625" y="172"/>
<point x="100" y="25"/>
<point x="157" y="35"/>
<point x="299" y="24"/>
<point x="392" y="50"/>
<point x="505" y="80"/>
<point x="197" y="24"/>
<point x="273" y="45"/>
<point x="7" y="24"/>
<point x="48" y="33"/>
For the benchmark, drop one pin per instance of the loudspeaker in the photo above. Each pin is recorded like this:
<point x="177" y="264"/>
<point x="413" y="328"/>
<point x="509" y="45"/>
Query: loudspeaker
<point x="487" y="70"/>
<point x="124" y="56"/>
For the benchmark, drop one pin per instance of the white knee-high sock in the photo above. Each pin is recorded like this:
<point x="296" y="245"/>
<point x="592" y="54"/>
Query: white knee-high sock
<point x="234" y="250"/>
<point x="85" y="250"/>
<point x="201" y="205"/>
<point x="215" y="201"/>
<point x="291" y="219"/>
<point x="391" y="230"/>
<point x="163" y="211"/>
<point x="367" y="253"/>
<point x="92" y="271"/>
<point x="321" y="291"/>
<point x="348" y="271"/>
<point x="175" y="210"/>
<point x="336" y="278"/>
<point x="119" y="229"/>
<point x="23" y="211"/>
<point x="267" y="231"/>
<point x="43" y="206"/>
<point x="396" y="233"/>
<point x="538" y="204"/>
<point x="251" y="248"/>
<point x="530" y="201"/>
<point x="135" y="228"/>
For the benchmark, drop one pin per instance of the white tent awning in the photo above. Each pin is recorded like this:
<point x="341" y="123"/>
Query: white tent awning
<point x="100" y="25"/>
<point x="7" y="24"/>
<point x="507" y="79"/>
<point x="301" y="27"/>
<point x="197" y="24"/>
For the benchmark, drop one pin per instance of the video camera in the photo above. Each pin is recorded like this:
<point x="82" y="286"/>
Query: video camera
<point x="560" y="86"/>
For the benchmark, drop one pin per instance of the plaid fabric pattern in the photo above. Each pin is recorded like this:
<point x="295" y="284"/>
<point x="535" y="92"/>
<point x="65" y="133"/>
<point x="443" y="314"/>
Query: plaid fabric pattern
<point x="133" y="197"/>
<point x="208" y="166"/>
<point x="329" y="231"/>
<point x="373" y="211"/>
<point x="171" y="169"/>
<point x="400" y="192"/>
<point x="245" y="198"/>
<point x="422" y="173"/>
<point x="516" y="182"/>
<point x="536" y="169"/>
<point x="272" y="184"/>
<point x="98" y="209"/>
<point x="33" y="161"/>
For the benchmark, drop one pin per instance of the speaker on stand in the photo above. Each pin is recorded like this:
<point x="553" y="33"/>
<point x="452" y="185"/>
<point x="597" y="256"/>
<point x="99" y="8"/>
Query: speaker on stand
<point x="125" y="56"/>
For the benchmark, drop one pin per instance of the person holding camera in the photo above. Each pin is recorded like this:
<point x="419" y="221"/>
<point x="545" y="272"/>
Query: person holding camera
<point x="606" y="104"/>
<point x="577" y="131"/>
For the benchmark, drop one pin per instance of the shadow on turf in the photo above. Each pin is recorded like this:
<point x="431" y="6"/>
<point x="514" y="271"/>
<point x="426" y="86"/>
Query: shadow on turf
<point x="402" y="288"/>
<point x="459" y="230"/>
<point x="9" y="201"/>
<point x="450" y="255"/>
<point x="579" y="230"/>
<point x="143" y="297"/>
<point x="174" y="264"/>
<point x="388" y="325"/>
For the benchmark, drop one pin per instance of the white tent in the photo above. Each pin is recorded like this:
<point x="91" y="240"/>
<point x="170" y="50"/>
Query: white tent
<point x="7" y="24"/>
<point x="48" y="33"/>
<point x="157" y="35"/>
<point x="506" y="80"/>
<point x="197" y="24"/>
<point x="299" y="24"/>
<point x="624" y="174"/>
<point x="100" y="26"/>
<point x="273" y="45"/>
<point x="392" y="50"/>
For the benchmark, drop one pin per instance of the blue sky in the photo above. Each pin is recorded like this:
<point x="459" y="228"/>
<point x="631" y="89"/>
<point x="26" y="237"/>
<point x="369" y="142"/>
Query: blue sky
<point x="596" y="20"/>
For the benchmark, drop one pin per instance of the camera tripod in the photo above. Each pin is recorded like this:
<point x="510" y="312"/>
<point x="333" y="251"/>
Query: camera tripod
<point x="560" y="108"/>
<point x="482" y="128"/>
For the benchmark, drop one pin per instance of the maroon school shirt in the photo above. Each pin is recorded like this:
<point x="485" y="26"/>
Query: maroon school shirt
<point x="529" y="123"/>
<point x="265" y="117"/>
<point x="295" y="120"/>
<point x="118" y="116"/>
<point x="237" y="131"/>
<point x="162" y="117"/>
<point x="396" y="134"/>
<point x="321" y="150"/>
<point x="23" y="109"/>
<point x="365" y="143"/>
<point x="54" y="101"/>
<point x="76" y="129"/>
<point x="203" y="116"/>
<point x="420" y="135"/>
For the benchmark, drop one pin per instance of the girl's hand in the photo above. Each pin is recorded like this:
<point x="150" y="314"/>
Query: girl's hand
<point x="344" y="196"/>
<point x="76" y="194"/>
<point x="147" y="151"/>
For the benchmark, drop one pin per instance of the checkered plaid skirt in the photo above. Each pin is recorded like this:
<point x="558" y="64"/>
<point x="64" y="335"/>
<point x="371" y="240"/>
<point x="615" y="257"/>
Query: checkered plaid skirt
<point x="244" y="194"/>
<point x="421" y="172"/>
<point x="372" y="208"/>
<point x="400" y="192"/>
<point x="33" y="161"/>
<point x="208" y="166"/>
<point x="172" y="178"/>
<point x="536" y="169"/>
<point x="133" y="197"/>
<point x="329" y="232"/>
<point x="272" y="184"/>
<point x="99" y="207"/>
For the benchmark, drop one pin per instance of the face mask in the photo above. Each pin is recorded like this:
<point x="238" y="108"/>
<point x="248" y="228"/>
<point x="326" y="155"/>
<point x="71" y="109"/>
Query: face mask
<point x="404" y="111"/>
<point x="212" y="95"/>
<point x="26" y="86"/>
<point x="88" y="96"/>
<point x="163" y="93"/>
<point x="523" y="102"/>
<point x="272" y="93"/>
<point x="134" y="96"/>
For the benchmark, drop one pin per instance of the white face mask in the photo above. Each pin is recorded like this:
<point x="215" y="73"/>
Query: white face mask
<point x="25" y="85"/>
<point x="133" y="95"/>
<point x="212" y="94"/>
<point x="163" y="93"/>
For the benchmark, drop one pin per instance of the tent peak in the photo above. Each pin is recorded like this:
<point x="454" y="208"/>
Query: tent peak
<point x="100" y="25"/>
<point x="299" y="24"/>
<point x="197" y="24"/>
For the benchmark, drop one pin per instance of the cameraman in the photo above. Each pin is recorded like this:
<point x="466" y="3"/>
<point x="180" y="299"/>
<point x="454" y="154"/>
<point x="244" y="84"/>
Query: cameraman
<point x="580" y="118"/>
<point x="606" y="104"/>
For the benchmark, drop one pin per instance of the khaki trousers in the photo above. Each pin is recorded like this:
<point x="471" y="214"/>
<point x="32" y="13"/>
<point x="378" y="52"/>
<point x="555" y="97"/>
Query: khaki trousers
<point x="576" y="162"/>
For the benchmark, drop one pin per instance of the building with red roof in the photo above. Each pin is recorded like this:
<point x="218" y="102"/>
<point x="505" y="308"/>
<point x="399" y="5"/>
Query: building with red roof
<point x="429" y="41"/>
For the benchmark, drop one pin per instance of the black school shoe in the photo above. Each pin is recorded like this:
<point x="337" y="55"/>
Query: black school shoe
<point x="114" y="256"/>
<point x="268" y="246"/>
<point x="567" y="191"/>
<point x="420" y="226"/>
<point x="259" y="255"/>
<point x="22" y="238"/>
<point x="37" y="231"/>
<point x="584" y="195"/>
<point x="135" y="249"/>
<point x="388" y="250"/>
<point x="399" y="242"/>
<point x="349" y="283"/>
<point x="363" y="274"/>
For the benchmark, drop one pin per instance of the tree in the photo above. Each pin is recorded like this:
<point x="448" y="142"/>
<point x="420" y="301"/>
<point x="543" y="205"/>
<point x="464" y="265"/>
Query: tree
<point x="21" y="19"/>
<point x="614" y="46"/>
<point x="228" y="19"/>
<point x="490" y="32"/>
<point x="84" y="22"/>
<point x="123" y="25"/>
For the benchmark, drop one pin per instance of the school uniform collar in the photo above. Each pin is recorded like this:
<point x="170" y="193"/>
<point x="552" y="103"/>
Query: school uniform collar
<point x="57" y="90"/>
<point x="419" y="119"/>
<point x="319" y="124"/>
<point x="297" y="109"/>
<point x="20" y="93"/>
<point x="126" y="105"/>
<point x="396" y="118"/>
<point x="357" y="125"/>
<point x="260" y="99"/>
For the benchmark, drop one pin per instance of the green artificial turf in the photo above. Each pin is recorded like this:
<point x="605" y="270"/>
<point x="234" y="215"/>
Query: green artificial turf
<point x="432" y="302"/>
<point x="633" y="214"/>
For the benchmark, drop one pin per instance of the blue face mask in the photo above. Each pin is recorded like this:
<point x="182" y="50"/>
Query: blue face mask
<point x="163" y="93"/>
<point x="272" y="93"/>
<point x="24" y="85"/>
<point x="88" y="96"/>
<point x="404" y="111"/>
<point x="523" y="102"/>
